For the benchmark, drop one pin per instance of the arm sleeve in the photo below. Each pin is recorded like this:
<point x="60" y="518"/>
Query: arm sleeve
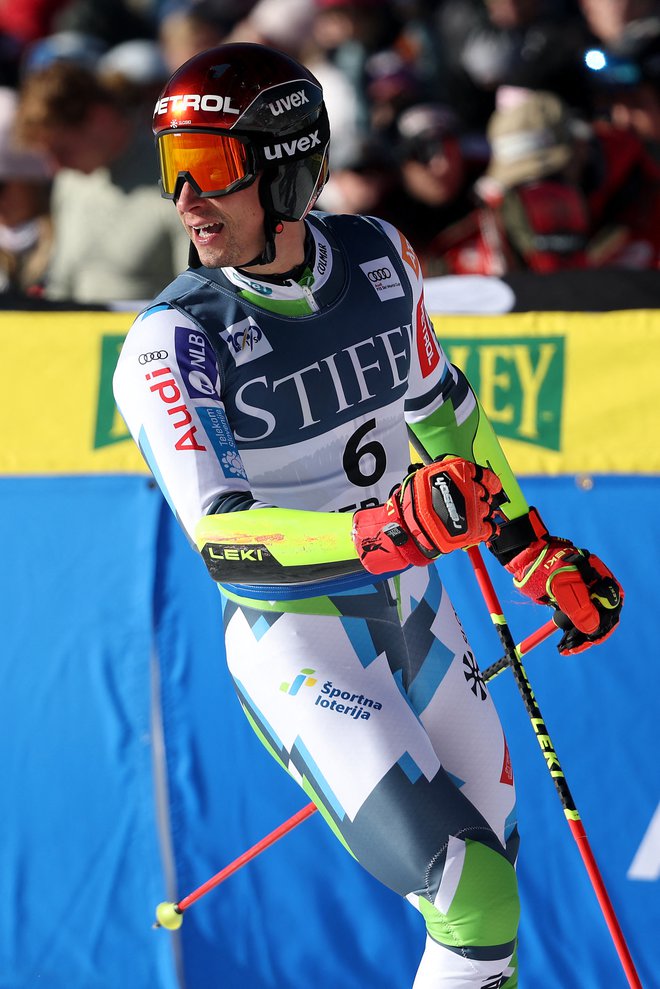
<point x="442" y="411"/>
<point x="168" y="388"/>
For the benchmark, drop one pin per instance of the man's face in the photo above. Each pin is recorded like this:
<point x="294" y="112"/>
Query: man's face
<point x="228" y="231"/>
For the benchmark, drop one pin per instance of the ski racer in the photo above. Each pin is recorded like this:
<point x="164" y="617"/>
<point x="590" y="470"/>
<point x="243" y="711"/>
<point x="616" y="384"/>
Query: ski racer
<point x="274" y="389"/>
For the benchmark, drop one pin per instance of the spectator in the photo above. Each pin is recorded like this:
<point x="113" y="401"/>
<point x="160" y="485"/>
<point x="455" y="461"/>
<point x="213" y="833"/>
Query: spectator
<point x="486" y="44"/>
<point x="568" y="195"/>
<point x="626" y="81"/>
<point x="283" y="24"/>
<point x="435" y="206"/>
<point x="289" y="26"/>
<point x="186" y="28"/>
<point x="349" y="33"/>
<point x="115" y="238"/>
<point x="392" y="83"/>
<point x="135" y="71"/>
<point x="531" y="183"/>
<point x="25" y="228"/>
<point x="113" y="21"/>
<point x="366" y="180"/>
<point x="63" y="46"/>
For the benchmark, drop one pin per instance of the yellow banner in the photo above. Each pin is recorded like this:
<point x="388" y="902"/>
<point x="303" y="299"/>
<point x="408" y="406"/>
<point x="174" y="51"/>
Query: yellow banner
<point x="567" y="392"/>
<point x="56" y="392"/>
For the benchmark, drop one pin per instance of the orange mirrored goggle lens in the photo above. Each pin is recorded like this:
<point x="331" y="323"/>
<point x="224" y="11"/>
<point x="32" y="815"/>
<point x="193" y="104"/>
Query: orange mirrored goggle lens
<point x="215" y="162"/>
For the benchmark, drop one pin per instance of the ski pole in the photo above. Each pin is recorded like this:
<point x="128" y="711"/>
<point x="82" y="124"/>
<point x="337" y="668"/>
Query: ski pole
<point x="524" y="647"/>
<point x="550" y="755"/>
<point x="170" y="915"/>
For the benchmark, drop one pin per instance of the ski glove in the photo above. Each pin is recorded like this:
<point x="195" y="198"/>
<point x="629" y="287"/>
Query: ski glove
<point x="446" y="505"/>
<point x="586" y="596"/>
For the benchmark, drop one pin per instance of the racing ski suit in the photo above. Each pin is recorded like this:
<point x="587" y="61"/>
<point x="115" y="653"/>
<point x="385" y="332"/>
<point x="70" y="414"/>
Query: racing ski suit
<point x="269" y="412"/>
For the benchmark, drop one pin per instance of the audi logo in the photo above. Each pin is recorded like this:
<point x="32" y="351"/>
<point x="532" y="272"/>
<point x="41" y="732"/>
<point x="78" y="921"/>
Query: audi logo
<point x="154" y="355"/>
<point x="379" y="274"/>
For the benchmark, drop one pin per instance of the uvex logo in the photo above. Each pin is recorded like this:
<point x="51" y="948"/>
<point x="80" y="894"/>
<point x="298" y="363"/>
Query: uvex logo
<point x="287" y="102"/>
<point x="290" y="148"/>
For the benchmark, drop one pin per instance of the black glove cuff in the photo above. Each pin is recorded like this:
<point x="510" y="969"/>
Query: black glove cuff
<point x="516" y="535"/>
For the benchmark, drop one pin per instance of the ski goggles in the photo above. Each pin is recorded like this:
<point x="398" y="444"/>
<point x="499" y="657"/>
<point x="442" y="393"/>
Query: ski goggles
<point x="215" y="164"/>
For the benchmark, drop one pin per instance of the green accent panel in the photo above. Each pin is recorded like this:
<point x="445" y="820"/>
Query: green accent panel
<point x="318" y="800"/>
<point x="303" y="606"/>
<point x="285" y="307"/>
<point x="440" y="435"/>
<point x="397" y="591"/>
<point x="262" y="738"/>
<point x="487" y="451"/>
<point x="474" y="440"/>
<point x="485" y="909"/>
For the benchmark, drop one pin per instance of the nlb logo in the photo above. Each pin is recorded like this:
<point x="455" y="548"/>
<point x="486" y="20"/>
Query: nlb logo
<point x="304" y="678"/>
<point x="196" y="361"/>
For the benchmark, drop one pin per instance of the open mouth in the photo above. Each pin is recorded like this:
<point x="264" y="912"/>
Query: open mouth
<point x="206" y="233"/>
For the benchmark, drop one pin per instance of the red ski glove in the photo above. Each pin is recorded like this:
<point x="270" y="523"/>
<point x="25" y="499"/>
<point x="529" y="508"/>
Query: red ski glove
<point x="585" y="594"/>
<point x="446" y="505"/>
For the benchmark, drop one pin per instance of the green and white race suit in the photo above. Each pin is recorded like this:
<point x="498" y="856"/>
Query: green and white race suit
<point x="269" y="412"/>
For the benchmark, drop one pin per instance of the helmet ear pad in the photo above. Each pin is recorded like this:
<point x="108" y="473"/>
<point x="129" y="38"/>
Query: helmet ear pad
<point x="294" y="188"/>
<point x="289" y="191"/>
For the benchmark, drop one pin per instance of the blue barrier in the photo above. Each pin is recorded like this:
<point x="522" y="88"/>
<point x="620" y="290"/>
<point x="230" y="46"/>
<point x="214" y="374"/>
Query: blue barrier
<point x="112" y="660"/>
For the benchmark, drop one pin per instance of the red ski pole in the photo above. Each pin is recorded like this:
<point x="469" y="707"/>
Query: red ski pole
<point x="548" y="749"/>
<point x="170" y="915"/>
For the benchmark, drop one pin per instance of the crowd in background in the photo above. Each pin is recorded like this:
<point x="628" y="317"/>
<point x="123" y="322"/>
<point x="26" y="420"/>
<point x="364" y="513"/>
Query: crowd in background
<point x="498" y="135"/>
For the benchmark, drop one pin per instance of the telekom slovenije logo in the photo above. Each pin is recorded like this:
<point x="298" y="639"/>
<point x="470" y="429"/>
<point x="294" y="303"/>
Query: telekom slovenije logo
<point x="304" y="678"/>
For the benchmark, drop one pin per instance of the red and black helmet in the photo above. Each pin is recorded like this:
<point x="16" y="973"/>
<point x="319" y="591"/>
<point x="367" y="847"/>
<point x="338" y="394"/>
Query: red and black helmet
<point x="238" y="110"/>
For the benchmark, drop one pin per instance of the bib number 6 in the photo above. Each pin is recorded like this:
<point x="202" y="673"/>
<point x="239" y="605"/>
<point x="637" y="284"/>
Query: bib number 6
<point x="364" y="464"/>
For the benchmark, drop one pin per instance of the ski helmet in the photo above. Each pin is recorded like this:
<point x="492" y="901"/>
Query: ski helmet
<point x="232" y="112"/>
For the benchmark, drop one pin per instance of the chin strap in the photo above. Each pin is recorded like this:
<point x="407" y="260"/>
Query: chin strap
<point x="272" y="227"/>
